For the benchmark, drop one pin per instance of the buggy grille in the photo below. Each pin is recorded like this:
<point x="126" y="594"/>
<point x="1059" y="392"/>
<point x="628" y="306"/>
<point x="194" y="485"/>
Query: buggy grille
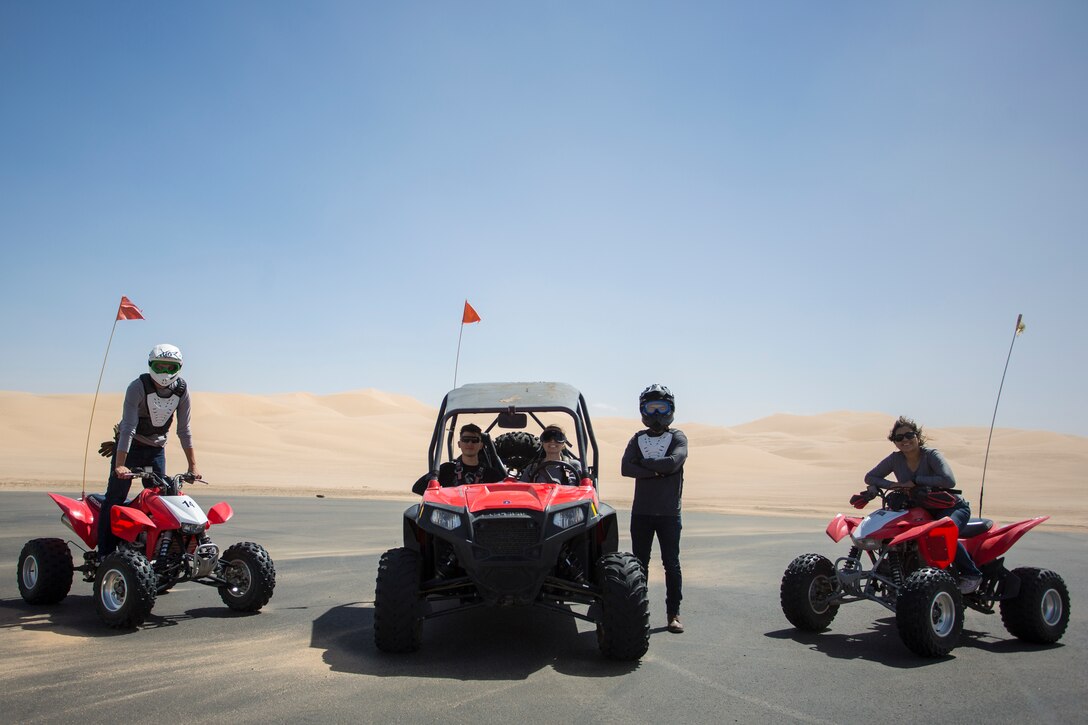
<point x="507" y="535"/>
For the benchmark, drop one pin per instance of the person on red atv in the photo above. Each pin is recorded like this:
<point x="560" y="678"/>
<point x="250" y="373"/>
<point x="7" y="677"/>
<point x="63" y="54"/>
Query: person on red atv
<point x="927" y="475"/>
<point x="151" y="402"/>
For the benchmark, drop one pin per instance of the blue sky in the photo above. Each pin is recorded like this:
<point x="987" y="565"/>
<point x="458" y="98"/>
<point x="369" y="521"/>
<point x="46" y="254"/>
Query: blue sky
<point x="770" y="207"/>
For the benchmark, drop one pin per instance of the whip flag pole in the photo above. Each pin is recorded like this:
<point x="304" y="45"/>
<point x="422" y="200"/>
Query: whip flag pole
<point x="125" y="311"/>
<point x="469" y="316"/>
<point x="1016" y="333"/>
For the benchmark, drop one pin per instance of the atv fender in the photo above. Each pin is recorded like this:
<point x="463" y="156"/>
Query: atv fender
<point x="79" y="517"/>
<point x="127" y="523"/>
<point x="608" y="537"/>
<point x="412" y="533"/>
<point x="220" y="513"/>
<point x="989" y="546"/>
<point x="936" y="541"/>
<point x="841" y="526"/>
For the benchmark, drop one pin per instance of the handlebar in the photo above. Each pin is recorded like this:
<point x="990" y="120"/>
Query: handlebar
<point x="170" y="483"/>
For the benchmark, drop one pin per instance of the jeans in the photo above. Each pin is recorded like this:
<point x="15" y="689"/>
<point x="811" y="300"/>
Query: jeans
<point x="667" y="528"/>
<point x="117" y="489"/>
<point x="961" y="514"/>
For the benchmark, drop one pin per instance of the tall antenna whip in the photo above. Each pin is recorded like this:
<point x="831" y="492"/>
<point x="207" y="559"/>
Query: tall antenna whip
<point x="1016" y="333"/>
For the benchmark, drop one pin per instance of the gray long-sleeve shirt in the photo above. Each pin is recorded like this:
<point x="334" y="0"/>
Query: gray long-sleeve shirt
<point x="659" y="480"/>
<point x="933" y="471"/>
<point x="135" y="407"/>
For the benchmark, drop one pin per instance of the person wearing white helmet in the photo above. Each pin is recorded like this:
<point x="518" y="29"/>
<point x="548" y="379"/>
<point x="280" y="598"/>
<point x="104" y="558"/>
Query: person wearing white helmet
<point x="152" y="401"/>
<point x="655" y="458"/>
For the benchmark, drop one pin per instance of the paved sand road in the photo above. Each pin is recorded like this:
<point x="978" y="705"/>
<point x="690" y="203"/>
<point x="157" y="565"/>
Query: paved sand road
<point x="309" y="656"/>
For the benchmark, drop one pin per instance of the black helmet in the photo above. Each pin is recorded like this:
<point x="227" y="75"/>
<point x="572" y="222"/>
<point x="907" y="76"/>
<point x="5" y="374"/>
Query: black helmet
<point x="658" y="415"/>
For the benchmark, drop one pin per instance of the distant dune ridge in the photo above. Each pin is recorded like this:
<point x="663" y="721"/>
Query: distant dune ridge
<point x="370" y="443"/>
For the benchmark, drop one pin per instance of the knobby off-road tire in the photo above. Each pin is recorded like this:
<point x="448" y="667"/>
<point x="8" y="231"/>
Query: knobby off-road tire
<point x="929" y="613"/>
<point x="518" y="448"/>
<point x="623" y="632"/>
<point x="1040" y="612"/>
<point x="251" y="577"/>
<point x="398" y="626"/>
<point x="45" y="571"/>
<point x="124" y="589"/>
<point x="807" y="584"/>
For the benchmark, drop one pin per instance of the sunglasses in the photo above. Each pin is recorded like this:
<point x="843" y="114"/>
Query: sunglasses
<point x="169" y="368"/>
<point x="903" y="436"/>
<point x="655" y="407"/>
<point x="552" y="436"/>
<point x="469" y="439"/>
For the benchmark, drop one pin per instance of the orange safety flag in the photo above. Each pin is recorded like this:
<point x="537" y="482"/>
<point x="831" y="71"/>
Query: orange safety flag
<point x="470" y="314"/>
<point x="128" y="311"/>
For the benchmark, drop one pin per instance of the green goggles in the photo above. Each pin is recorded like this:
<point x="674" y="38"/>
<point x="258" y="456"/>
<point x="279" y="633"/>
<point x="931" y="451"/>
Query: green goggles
<point x="162" y="367"/>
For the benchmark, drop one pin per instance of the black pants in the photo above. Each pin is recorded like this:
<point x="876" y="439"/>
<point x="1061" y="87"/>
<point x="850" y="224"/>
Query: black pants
<point x="117" y="489"/>
<point x="667" y="529"/>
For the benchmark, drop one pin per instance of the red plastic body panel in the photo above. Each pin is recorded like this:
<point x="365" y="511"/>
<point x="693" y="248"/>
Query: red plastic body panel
<point x="509" y="494"/>
<point x="127" y="523"/>
<point x="841" y="526"/>
<point x="220" y="513"/>
<point x="936" y="541"/>
<point x="984" y="548"/>
<point x="81" y="516"/>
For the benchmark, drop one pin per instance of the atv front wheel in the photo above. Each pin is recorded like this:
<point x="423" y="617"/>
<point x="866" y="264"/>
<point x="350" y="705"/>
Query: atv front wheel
<point x="1040" y="612"/>
<point x="250" y="576"/>
<point x="124" y="589"/>
<point x="623" y="631"/>
<point x="807" y="585"/>
<point x="398" y="626"/>
<point x="45" y="571"/>
<point x="929" y="613"/>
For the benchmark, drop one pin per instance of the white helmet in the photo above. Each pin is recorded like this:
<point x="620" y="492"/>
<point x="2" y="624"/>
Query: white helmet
<point x="169" y="362"/>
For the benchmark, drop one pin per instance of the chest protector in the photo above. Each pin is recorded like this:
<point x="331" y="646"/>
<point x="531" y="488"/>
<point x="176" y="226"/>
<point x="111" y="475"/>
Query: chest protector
<point x="654" y="446"/>
<point x="160" y="409"/>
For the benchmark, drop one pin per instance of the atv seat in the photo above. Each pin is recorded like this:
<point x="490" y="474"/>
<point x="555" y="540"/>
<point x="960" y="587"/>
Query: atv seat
<point x="975" y="527"/>
<point x="97" y="500"/>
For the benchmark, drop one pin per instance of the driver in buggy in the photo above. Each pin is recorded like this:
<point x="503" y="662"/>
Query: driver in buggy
<point x="469" y="467"/>
<point x="557" y="465"/>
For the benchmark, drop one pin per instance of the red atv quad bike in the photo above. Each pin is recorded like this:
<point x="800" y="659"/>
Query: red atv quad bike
<point x="910" y="554"/>
<point x="512" y="544"/>
<point x="163" y="540"/>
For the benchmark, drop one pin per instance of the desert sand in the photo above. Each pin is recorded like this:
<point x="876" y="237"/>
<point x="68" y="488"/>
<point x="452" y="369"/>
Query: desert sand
<point x="369" y="443"/>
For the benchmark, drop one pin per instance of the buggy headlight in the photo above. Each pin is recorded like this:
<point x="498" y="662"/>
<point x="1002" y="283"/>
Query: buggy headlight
<point x="569" y="517"/>
<point x="446" y="519"/>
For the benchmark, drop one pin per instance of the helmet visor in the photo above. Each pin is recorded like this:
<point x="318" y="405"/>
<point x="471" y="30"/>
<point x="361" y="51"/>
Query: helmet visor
<point x="656" y="407"/>
<point x="164" y="367"/>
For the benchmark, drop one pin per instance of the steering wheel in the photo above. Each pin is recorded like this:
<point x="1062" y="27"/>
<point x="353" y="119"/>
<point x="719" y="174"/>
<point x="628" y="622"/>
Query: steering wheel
<point x="545" y="464"/>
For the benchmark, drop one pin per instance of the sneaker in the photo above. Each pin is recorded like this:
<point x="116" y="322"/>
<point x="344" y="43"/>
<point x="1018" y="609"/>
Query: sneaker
<point x="674" y="625"/>
<point x="969" y="584"/>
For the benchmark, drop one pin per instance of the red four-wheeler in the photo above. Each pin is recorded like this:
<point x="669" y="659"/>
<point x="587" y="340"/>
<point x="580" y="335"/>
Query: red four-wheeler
<point x="162" y="540"/>
<point x="512" y="544"/>
<point x="909" y="555"/>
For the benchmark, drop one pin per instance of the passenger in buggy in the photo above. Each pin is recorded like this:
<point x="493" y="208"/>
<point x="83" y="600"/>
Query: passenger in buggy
<point x="557" y="466"/>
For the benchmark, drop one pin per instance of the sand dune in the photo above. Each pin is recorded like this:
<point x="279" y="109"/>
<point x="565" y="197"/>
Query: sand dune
<point x="373" y="443"/>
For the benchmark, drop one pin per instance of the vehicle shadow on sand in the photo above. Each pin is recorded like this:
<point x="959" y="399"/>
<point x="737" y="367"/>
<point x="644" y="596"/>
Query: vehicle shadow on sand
<point x="479" y="644"/>
<point x="882" y="644"/>
<point x="76" y="617"/>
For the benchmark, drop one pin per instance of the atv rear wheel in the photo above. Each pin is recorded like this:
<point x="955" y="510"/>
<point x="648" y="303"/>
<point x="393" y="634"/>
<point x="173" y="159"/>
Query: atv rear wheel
<point x="623" y="631"/>
<point x="929" y="613"/>
<point x="45" y="571"/>
<point x="398" y="626"/>
<point x="807" y="585"/>
<point x="251" y="577"/>
<point x="124" y="589"/>
<point x="1040" y="612"/>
